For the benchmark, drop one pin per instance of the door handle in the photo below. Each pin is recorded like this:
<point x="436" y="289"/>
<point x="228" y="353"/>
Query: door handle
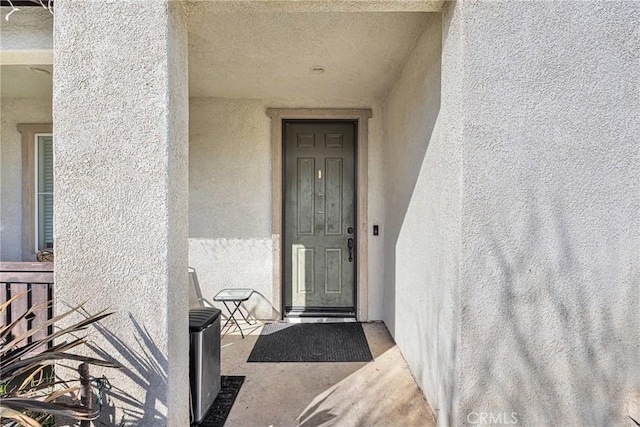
<point x="350" y="246"/>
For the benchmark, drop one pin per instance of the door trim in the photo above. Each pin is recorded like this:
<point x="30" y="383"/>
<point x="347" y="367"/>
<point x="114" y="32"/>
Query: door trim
<point x="361" y="117"/>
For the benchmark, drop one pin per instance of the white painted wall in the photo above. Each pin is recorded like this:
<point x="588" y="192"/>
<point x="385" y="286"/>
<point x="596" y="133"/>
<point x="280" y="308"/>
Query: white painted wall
<point x="230" y="240"/>
<point x="514" y="217"/>
<point x="516" y="276"/>
<point x="30" y="28"/>
<point x="229" y="197"/>
<point x="422" y="179"/>
<point x="550" y="280"/>
<point x="12" y="112"/>
<point x="121" y="205"/>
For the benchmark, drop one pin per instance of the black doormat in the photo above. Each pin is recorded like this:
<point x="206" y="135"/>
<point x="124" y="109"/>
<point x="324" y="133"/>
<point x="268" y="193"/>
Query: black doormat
<point x="219" y="411"/>
<point x="311" y="342"/>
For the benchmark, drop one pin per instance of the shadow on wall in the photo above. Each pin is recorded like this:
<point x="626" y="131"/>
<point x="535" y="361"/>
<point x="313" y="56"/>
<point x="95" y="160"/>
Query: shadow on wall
<point x="412" y="107"/>
<point x="148" y="369"/>
<point x="235" y="263"/>
<point x="552" y="340"/>
<point x="257" y="305"/>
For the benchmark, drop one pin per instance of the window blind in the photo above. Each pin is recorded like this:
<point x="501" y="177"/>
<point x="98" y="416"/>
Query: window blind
<point x="45" y="192"/>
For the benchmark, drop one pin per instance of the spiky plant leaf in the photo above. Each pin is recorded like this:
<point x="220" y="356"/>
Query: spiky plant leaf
<point x="34" y="399"/>
<point x="9" y="358"/>
<point x="5" y="331"/>
<point x="6" y="304"/>
<point x="18" y="416"/>
<point x="42" y="326"/>
<point x="33" y="405"/>
<point x="19" y="352"/>
<point x="59" y="393"/>
<point x="25" y="365"/>
<point x="31" y="379"/>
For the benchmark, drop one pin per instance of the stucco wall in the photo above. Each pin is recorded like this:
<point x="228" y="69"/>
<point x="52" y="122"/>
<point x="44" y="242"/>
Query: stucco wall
<point x="12" y="112"/>
<point x="422" y="180"/>
<point x="513" y="218"/>
<point x="230" y="242"/>
<point x="121" y="206"/>
<point x="30" y="28"/>
<point x="551" y="210"/>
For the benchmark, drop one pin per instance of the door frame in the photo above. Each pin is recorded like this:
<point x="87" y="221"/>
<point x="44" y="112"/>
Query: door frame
<point x="360" y="116"/>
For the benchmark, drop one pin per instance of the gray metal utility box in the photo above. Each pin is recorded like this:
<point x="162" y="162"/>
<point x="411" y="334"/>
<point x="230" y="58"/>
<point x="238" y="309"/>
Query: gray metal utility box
<point x="204" y="359"/>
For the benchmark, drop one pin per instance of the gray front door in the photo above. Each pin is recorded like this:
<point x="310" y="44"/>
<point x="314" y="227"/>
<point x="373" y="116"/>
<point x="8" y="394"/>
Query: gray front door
<point x="319" y="227"/>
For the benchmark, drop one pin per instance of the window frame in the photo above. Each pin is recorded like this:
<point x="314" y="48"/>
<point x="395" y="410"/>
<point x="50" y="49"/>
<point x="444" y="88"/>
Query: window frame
<point x="30" y="133"/>
<point x="36" y="190"/>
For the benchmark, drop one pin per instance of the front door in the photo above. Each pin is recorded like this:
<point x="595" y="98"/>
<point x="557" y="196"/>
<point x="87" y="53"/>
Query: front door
<point x="319" y="218"/>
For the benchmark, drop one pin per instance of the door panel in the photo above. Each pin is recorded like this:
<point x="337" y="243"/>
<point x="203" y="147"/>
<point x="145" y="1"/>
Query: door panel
<point x="319" y="215"/>
<point x="333" y="192"/>
<point x="303" y="268"/>
<point x="306" y="189"/>
<point x="333" y="271"/>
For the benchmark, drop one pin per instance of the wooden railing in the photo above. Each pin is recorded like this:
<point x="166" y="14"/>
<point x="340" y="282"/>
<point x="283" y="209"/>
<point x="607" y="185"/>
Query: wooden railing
<point x="37" y="279"/>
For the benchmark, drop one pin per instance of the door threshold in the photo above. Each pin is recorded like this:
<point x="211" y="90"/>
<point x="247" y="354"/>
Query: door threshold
<point x="319" y="312"/>
<point x="319" y="316"/>
<point x="308" y="319"/>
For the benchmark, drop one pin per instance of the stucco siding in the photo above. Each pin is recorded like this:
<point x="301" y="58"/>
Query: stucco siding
<point x="422" y="173"/>
<point x="230" y="169"/>
<point x="121" y="207"/>
<point x="29" y="28"/>
<point x="13" y="112"/>
<point x="230" y="242"/>
<point x="551" y="211"/>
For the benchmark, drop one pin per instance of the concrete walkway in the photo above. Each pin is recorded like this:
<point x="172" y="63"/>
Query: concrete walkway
<point x="379" y="393"/>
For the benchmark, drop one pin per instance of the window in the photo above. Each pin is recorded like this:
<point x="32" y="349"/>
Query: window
<point x="37" y="188"/>
<point x="44" y="191"/>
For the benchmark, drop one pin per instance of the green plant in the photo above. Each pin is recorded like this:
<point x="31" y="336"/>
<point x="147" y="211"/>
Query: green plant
<point x="30" y="394"/>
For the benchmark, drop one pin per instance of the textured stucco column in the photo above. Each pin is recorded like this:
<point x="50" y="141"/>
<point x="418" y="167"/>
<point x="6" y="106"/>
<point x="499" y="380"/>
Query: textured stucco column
<point x="550" y="250"/>
<point x="121" y="153"/>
